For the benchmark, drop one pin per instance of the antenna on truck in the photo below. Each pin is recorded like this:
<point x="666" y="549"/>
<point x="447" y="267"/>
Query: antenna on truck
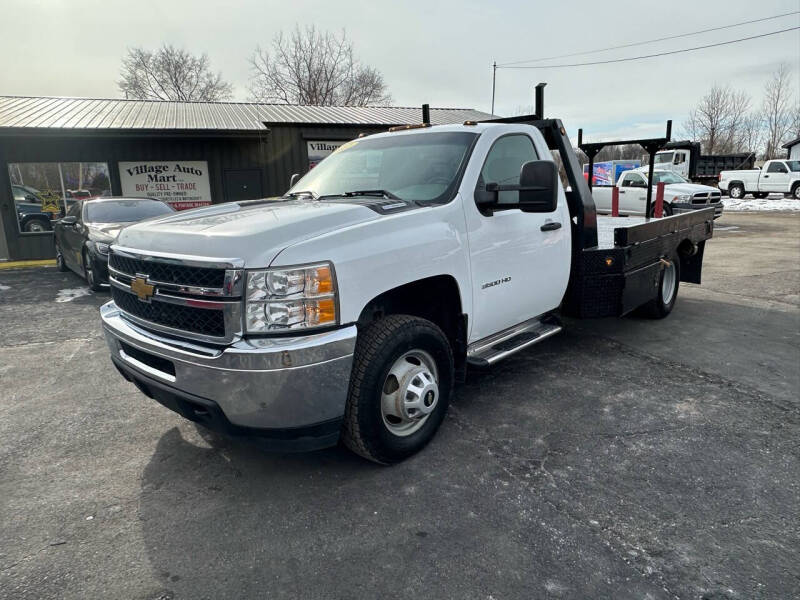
<point x="650" y="145"/>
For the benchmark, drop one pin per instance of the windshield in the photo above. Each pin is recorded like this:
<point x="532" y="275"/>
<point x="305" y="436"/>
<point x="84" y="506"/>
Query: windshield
<point x="124" y="211"/>
<point x="794" y="165"/>
<point x="423" y="167"/>
<point x="668" y="177"/>
<point x="664" y="157"/>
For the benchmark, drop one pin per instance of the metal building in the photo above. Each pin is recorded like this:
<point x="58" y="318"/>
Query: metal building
<point x="55" y="150"/>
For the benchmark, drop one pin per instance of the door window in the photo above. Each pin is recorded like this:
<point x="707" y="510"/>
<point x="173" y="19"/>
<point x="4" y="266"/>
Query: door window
<point x="776" y="167"/>
<point x="633" y="180"/>
<point x="504" y="162"/>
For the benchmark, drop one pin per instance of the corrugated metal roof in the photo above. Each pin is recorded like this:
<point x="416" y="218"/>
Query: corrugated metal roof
<point x="95" y="113"/>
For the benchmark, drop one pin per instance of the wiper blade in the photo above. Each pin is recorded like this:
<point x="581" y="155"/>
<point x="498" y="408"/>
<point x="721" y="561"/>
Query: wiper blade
<point x="384" y="193"/>
<point x="301" y="193"/>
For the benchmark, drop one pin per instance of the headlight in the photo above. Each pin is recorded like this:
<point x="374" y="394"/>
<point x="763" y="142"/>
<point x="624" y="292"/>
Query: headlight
<point x="296" y="298"/>
<point x="101" y="248"/>
<point x="682" y="198"/>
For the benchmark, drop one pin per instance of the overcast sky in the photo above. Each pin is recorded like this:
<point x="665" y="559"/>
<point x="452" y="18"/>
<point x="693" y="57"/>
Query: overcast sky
<point x="438" y="52"/>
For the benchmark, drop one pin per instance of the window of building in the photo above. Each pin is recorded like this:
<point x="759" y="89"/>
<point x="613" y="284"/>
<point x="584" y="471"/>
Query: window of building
<point x="44" y="192"/>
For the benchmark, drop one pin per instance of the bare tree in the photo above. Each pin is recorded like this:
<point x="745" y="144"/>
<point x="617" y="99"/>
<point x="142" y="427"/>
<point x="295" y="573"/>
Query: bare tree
<point x="779" y="110"/>
<point x="751" y="134"/>
<point x="718" y="118"/>
<point x="171" y="73"/>
<point x="312" y="67"/>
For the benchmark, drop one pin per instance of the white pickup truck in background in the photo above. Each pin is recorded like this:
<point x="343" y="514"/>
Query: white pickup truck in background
<point x="781" y="176"/>
<point x="680" y="195"/>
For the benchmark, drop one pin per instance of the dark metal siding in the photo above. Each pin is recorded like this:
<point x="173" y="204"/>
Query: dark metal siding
<point x="277" y="153"/>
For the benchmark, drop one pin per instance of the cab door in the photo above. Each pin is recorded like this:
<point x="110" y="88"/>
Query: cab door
<point x="776" y="178"/>
<point x="519" y="261"/>
<point x="632" y="194"/>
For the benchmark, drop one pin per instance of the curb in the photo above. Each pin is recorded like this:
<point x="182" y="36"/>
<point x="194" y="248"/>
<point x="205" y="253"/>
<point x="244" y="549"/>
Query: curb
<point x="23" y="264"/>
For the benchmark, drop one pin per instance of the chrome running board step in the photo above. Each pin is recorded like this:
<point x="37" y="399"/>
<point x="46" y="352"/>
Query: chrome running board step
<point x="496" y="347"/>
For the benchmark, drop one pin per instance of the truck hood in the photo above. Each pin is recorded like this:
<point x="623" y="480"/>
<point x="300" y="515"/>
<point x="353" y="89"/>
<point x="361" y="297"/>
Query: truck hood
<point x="255" y="230"/>
<point x="688" y="188"/>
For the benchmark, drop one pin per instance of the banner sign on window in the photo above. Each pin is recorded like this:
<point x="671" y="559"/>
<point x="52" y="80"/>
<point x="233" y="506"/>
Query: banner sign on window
<point x="182" y="183"/>
<point x="318" y="150"/>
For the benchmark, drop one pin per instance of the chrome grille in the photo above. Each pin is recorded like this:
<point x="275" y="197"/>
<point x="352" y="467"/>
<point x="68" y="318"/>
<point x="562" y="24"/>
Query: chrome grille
<point x="168" y="273"/>
<point x="184" y="318"/>
<point x="186" y="296"/>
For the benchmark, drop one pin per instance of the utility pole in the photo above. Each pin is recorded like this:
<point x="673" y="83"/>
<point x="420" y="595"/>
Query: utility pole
<point x="494" y="80"/>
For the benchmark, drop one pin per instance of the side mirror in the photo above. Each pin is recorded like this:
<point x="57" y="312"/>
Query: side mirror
<point x="538" y="186"/>
<point x="293" y="179"/>
<point x="68" y="221"/>
<point x="538" y="190"/>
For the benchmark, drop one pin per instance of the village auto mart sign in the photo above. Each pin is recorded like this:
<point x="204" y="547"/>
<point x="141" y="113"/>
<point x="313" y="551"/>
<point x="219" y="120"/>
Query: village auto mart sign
<point x="182" y="183"/>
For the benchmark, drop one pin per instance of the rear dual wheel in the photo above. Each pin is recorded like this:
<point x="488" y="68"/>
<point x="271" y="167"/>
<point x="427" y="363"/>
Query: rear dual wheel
<point x="668" y="283"/>
<point x="399" y="389"/>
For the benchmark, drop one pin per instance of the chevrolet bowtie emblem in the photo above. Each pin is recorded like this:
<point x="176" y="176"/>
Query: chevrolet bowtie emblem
<point x="142" y="289"/>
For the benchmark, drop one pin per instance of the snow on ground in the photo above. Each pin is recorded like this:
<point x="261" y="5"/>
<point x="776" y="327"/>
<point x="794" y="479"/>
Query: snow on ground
<point x="70" y="294"/>
<point x="775" y="202"/>
<point x="3" y="288"/>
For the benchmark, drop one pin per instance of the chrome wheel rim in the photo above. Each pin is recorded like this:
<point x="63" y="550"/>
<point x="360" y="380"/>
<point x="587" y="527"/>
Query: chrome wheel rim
<point x="668" y="283"/>
<point x="410" y="393"/>
<point x="59" y="258"/>
<point x="736" y="192"/>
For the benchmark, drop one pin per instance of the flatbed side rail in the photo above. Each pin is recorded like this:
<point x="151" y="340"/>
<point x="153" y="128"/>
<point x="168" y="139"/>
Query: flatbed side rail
<point x="636" y="234"/>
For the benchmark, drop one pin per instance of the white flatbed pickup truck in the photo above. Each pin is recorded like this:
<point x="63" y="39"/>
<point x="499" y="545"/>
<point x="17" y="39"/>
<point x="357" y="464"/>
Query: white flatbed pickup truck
<point x="348" y="308"/>
<point x="680" y="195"/>
<point x="775" y="176"/>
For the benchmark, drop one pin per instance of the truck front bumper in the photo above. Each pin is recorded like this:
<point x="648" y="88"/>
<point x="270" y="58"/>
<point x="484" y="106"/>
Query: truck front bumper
<point x="288" y="392"/>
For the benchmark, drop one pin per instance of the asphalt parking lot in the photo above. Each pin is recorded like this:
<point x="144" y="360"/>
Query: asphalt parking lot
<point x="622" y="459"/>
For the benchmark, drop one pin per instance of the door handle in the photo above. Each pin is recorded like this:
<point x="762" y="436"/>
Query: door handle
<point x="550" y="226"/>
<point x="622" y="191"/>
<point x="766" y="176"/>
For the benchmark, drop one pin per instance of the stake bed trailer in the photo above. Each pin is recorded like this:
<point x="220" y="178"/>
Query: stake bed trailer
<point x="352" y="305"/>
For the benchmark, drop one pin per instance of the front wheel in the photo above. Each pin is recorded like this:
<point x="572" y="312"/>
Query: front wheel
<point x="62" y="266"/>
<point x="668" y="283"/>
<point x="666" y="210"/>
<point x="796" y="192"/>
<point x="400" y="388"/>
<point x="90" y="272"/>
<point x="36" y="225"/>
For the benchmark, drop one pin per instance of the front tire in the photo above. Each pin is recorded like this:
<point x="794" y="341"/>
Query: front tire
<point x="796" y="192"/>
<point x="666" y="210"/>
<point x="62" y="266"/>
<point x="400" y="388"/>
<point x="736" y="191"/>
<point x="90" y="272"/>
<point x="37" y="225"/>
<point x="668" y="284"/>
